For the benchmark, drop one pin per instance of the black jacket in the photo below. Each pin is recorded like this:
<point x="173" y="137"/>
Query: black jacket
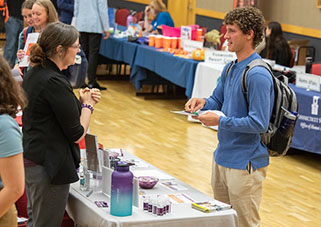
<point x="51" y="123"/>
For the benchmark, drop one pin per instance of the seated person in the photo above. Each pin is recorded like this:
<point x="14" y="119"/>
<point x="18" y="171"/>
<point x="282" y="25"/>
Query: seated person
<point x="157" y="9"/>
<point x="277" y="47"/>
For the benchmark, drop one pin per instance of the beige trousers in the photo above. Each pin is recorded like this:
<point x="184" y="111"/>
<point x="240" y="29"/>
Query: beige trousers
<point x="9" y="219"/>
<point x="240" y="188"/>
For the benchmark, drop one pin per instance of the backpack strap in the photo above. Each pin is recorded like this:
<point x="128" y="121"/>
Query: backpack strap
<point x="252" y="64"/>
<point x="229" y="68"/>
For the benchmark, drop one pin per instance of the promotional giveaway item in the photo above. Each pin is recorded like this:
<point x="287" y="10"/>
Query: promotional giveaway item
<point x="121" y="199"/>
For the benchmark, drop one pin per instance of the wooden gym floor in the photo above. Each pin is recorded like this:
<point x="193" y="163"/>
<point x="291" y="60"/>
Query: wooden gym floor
<point x="146" y="128"/>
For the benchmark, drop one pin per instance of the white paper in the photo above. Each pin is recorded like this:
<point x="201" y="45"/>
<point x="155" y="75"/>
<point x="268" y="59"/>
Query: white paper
<point x="180" y="198"/>
<point x="152" y="173"/>
<point x="220" y="113"/>
<point x="31" y="39"/>
<point x="173" y="186"/>
<point x="183" y="112"/>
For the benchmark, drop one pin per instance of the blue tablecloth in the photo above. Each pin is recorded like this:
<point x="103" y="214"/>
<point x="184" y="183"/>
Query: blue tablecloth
<point x="119" y="49"/>
<point x="141" y="58"/>
<point x="179" y="71"/>
<point x="307" y="132"/>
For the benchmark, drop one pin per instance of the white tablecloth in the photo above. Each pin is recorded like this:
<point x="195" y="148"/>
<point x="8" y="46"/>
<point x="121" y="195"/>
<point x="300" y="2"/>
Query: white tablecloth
<point x="205" y="81"/>
<point x="84" y="212"/>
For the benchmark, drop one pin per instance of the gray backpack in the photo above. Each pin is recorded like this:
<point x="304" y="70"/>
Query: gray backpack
<point x="279" y="135"/>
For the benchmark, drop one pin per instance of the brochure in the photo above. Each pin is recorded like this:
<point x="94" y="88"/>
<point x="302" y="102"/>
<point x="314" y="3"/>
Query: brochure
<point x="32" y="39"/>
<point x="211" y="206"/>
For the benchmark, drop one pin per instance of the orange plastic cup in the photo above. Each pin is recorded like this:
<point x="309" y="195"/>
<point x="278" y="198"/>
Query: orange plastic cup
<point x="159" y="41"/>
<point x="179" y="43"/>
<point x="151" y="40"/>
<point x="199" y="33"/>
<point x="174" y="42"/>
<point x="167" y="42"/>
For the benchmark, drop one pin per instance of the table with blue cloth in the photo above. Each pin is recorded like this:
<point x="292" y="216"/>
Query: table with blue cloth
<point x="142" y="58"/>
<point x="307" y="131"/>
<point x="179" y="71"/>
<point x="119" y="49"/>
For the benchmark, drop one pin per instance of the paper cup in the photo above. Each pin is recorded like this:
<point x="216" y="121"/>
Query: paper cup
<point x="151" y="40"/>
<point x="167" y="42"/>
<point x="174" y="42"/>
<point x="159" y="41"/>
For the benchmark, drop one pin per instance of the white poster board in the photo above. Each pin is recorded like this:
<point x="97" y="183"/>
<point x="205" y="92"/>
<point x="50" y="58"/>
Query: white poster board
<point x="190" y="45"/>
<point x="219" y="57"/>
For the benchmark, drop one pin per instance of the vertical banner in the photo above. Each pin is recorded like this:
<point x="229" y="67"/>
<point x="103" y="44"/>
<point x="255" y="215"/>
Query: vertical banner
<point x="241" y="3"/>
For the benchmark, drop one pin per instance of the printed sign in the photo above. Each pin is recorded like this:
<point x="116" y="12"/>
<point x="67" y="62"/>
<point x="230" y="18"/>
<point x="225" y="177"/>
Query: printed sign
<point x="186" y="32"/>
<point x="219" y="57"/>
<point x="308" y="81"/>
<point x="190" y="45"/>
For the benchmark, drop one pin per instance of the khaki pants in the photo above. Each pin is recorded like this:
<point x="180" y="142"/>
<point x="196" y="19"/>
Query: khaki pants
<point x="240" y="188"/>
<point x="9" y="219"/>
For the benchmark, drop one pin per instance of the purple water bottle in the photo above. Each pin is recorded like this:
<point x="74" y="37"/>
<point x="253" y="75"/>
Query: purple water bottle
<point x="121" y="200"/>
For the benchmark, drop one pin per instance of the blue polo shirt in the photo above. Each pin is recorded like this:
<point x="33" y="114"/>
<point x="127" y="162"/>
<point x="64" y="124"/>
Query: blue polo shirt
<point x="239" y="132"/>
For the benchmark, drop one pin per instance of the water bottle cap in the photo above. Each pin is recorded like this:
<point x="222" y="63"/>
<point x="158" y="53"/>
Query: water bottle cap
<point x="122" y="166"/>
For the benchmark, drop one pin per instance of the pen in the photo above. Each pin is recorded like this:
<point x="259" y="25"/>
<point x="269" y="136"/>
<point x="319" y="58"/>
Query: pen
<point x="195" y="113"/>
<point x="89" y="193"/>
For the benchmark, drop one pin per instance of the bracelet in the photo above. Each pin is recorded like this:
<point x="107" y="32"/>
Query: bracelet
<point x="88" y="106"/>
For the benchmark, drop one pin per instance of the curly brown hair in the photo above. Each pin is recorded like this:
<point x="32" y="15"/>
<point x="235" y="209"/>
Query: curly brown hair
<point x="247" y="18"/>
<point x="11" y="95"/>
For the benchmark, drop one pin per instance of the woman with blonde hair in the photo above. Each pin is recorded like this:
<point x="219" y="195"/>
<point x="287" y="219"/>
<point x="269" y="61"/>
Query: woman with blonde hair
<point x="54" y="122"/>
<point x="158" y="11"/>
<point x="43" y="13"/>
<point x="11" y="162"/>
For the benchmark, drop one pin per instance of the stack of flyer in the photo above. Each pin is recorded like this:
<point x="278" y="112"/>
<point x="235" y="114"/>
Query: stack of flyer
<point x="211" y="206"/>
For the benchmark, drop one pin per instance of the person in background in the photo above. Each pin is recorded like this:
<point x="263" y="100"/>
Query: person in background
<point x="158" y="11"/>
<point x="54" y="122"/>
<point x="277" y="47"/>
<point x="26" y="12"/>
<point x="11" y="163"/>
<point x="66" y="10"/>
<point x="43" y="13"/>
<point x="13" y="27"/>
<point x="240" y="159"/>
<point x="92" y="21"/>
<point x="54" y="2"/>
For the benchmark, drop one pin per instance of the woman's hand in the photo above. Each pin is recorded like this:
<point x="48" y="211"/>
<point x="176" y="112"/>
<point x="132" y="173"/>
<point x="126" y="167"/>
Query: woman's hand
<point x="95" y="94"/>
<point x="89" y="96"/>
<point x="85" y="97"/>
<point x="20" y="54"/>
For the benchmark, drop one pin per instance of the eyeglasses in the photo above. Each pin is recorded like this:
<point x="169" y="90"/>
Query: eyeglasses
<point x="76" y="46"/>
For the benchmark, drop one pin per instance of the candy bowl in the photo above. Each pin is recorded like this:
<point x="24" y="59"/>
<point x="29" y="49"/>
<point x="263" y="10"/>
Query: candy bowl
<point x="147" y="182"/>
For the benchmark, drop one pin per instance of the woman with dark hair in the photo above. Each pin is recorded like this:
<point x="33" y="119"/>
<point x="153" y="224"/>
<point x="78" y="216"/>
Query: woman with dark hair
<point x="11" y="162"/>
<point x="158" y="11"/>
<point x="277" y="47"/>
<point x="54" y="122"/>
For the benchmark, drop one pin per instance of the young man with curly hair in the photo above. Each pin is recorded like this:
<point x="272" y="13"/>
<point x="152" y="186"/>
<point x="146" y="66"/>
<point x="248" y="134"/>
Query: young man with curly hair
<point x="240" y="159"/>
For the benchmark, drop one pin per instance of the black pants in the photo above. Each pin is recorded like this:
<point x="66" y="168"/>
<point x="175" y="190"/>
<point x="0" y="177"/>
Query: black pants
<point x="90" y="43"/>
